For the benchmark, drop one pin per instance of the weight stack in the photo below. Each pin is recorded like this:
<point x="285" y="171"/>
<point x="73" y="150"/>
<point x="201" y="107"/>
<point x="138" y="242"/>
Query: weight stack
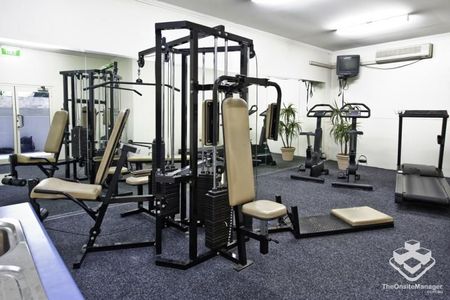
<point x="171" y="202"/>
<point x="204" y="184"/>
<point x="217" y="213"/>
<point x="79" y="142"/>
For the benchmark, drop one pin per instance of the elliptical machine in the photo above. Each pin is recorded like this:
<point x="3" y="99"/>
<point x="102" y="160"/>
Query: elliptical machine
<point x="315" y="159"/>
<point x="354" y="111"/>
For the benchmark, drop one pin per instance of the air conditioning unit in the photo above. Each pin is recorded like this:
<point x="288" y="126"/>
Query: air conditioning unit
<point x="404" y="53"/>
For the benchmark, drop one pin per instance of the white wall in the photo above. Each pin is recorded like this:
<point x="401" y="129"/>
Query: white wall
<point x="420" y="86"/>
<point x="423" y="85"/>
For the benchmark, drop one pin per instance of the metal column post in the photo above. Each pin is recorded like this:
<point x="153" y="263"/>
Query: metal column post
<point x="399" y="147"/>
<point x="157" y="150"/>
<point x="184" y="111"/>
<point x="91" y="129"/>
<point x="193" y="115"/>
<point x="442" y="143"/>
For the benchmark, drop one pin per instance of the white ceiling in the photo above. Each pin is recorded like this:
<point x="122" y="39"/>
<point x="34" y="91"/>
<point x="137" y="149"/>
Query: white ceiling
<point x="314" y="21"/>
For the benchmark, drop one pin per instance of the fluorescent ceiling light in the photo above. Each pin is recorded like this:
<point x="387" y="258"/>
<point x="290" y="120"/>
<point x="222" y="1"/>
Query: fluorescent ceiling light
<point x="376" y="26"/>
<point x="272" y="2"/>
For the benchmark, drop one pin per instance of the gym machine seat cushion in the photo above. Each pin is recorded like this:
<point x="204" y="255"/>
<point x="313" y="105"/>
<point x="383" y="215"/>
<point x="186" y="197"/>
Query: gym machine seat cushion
<point x="140" y="158"/>
<point x="141" y="180"/>
<point x="77" y="190"/>
<point x="112" y="170"/>
<point x="361" y="216"/>
<point x="264" y="209"/>
<point x="41" y="158"/>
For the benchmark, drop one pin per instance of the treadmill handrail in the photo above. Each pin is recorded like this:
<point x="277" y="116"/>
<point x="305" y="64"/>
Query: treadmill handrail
<point x="424" y="114"/>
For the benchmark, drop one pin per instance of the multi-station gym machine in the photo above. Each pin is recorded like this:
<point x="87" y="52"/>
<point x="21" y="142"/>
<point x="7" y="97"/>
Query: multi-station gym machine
<point x="187" y="195"/>
<point x="91" y="115"/>
<point x="195" y="194"/>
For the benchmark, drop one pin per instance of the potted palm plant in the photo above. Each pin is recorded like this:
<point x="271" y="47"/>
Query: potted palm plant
<point x="339" y="131"/>
<point x="289" y="127"/>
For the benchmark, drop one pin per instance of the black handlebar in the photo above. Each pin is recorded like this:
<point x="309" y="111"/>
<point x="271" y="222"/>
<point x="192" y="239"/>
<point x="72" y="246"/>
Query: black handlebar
<point x="319" y="110"/>
<point x="253" y="109"/>
<point x="355" y="110"/>
<point x="237" y="84"/>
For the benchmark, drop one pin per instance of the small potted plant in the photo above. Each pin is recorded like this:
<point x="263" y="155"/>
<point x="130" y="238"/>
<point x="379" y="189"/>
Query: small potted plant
<point x="289" y="127"/>
<point x="340" y="127"/>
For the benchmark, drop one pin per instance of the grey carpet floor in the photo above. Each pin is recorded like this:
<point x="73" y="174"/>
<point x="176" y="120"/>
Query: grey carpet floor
<point x="346" y="266"/>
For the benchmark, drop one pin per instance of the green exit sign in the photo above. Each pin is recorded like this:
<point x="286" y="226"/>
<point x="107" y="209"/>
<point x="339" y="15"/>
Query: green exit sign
<point x="9" y="51"/>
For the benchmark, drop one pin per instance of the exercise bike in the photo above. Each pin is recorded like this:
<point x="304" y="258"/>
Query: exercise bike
<point x="315" y="158"/>
<point x="354" y="111"/>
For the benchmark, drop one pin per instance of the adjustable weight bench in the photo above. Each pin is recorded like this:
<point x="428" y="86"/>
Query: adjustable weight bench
<point x="241" y="187"/>
<point x="48" y="162"/>
<point x="55" y="188"/>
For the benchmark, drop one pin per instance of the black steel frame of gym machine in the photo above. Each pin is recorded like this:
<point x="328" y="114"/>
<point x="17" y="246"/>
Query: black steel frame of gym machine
<point x="159" y="176"/>
<point x="72" y="97"/>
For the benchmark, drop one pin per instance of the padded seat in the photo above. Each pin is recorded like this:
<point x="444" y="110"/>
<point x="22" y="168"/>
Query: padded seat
<point x="77" y="190"/>
<point x="140" y="173"/>
<point x="264" y="209"/>
<point x="361" y="216"/>
<point x="141" y="180"/>
<point x="30" y="159"/>
<point x="112" y="170"/>
<point x="140" y="158"/>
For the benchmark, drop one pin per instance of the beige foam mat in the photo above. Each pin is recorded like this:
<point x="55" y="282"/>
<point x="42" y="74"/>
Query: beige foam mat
<point x="361" y="216"/>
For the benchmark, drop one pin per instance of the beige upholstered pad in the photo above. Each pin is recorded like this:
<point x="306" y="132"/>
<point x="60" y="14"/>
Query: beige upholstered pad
<point x="111" y="170"/>
<point x="360" y="216"/>
<point x="77" y="190"/>
<point x="238" y="154"/>
<point x="30" y="159"/>
<point x="264" y="209"/>
<point x="140" y="158"/>
<point x="111" y="146"/>
<point x="143" y="172"/>
<point x="56" y="132"/>
<point x="141" y="180"/>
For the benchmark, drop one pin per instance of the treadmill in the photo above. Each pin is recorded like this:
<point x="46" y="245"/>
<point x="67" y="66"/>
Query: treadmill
<point x="422" y="183"/>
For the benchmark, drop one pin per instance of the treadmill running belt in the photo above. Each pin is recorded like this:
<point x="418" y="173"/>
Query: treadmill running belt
<point x="425" y="189"/>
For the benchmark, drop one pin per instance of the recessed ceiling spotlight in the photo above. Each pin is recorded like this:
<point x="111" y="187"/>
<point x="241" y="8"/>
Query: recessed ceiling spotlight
<point x="376" y="26"/>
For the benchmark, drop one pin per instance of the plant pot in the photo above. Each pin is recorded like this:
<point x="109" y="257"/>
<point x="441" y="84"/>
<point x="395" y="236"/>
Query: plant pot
<point x="342" y="161"/>
<point x="287" y="154"/>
